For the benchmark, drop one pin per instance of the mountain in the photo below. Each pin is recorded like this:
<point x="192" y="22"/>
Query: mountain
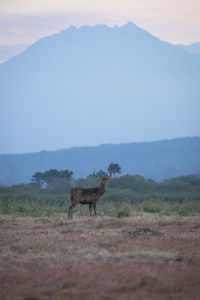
<point x="8" y="51"/>
<point x="157" y="160"/>
<point x="96" y="85"/>
<point x="193" y="48"/>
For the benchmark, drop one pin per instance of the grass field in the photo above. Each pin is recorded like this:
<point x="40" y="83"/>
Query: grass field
<point x="143" y="256"/>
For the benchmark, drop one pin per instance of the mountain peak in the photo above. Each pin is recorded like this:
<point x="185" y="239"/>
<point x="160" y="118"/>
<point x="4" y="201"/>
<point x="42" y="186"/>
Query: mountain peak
<point x="72" y="27"/>
<point x="95" y="27"/>
<point x="130" y="25"/>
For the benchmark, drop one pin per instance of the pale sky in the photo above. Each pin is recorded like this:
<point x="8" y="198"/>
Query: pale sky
<point x="22" y="22"/>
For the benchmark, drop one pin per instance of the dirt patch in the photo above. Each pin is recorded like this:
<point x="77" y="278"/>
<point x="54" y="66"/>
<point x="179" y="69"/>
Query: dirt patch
<point x="141" y="257"/>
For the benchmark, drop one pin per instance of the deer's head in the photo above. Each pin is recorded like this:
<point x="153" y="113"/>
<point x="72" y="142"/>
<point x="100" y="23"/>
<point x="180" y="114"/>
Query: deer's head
<point x="104" y="179"/>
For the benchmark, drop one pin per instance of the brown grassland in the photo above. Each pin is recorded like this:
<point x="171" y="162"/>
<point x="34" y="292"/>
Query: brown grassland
<point x="144" y="256"/>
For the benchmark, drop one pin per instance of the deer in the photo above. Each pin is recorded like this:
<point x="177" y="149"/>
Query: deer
<point x="88" y="196"/>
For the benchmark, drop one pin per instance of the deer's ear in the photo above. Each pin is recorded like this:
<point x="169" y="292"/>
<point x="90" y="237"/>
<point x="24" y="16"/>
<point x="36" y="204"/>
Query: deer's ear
<point x="99" y="177"/>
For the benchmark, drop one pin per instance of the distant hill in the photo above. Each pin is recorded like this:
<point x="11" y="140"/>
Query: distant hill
<point x="193" y="48"/>
<point x="157" y="160"/>
<point x="96" y="85"/>
<point x="8" y="51"/>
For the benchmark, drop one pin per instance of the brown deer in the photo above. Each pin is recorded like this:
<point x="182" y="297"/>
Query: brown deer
<point x="88" y="196"/>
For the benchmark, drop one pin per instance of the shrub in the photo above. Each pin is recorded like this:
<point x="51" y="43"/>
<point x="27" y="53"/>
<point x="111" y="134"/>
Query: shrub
<point x="123" y="213"/>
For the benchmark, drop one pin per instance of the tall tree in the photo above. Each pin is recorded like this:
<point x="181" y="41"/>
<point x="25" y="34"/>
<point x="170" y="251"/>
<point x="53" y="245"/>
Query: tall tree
<point x="114" y="168"/>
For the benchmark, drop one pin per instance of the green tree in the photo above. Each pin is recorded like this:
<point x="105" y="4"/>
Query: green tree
<point x="37" y="178"/>
<point x="114" y="168"/>
<point x="66" y="174"/>
<point x="52" y="177"/>
<point x="133" y="182"/>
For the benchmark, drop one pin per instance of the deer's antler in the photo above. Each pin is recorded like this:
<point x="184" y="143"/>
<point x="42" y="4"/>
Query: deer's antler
<point x="94" y="173"/>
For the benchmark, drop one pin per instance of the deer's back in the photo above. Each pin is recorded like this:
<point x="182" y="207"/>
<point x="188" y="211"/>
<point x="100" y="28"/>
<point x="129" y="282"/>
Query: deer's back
<point x="84" y="195"/>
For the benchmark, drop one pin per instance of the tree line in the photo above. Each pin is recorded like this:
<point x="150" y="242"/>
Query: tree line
<point x="54" y="177"/>
<point x="63" y="181"/>
<point x="51" y="187"/>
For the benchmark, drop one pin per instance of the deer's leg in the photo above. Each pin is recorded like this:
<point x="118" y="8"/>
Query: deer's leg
<point x="90" y="208"/>
<point x="70" y="210"/>
<point x="94" y="208"/>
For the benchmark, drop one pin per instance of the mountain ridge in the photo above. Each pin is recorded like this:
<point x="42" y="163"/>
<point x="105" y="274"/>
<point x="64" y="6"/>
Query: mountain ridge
<point x="193" y="48"/>
<point x="157" y="160"/>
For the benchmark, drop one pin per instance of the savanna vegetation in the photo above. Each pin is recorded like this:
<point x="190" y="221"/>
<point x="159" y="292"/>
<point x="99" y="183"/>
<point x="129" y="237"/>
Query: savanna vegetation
<point x="49" y="193"/>
<point x="140" y="256"/>
<point x="144" y="244"/>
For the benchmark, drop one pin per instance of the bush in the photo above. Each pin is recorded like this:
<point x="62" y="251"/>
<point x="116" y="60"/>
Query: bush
<point x="152" y="206"/>
<point x="121" y="197"/>
<point x="123" y="213"/>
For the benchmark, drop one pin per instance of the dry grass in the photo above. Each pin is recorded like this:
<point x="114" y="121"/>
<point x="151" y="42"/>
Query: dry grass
<point x="145" y="256"/>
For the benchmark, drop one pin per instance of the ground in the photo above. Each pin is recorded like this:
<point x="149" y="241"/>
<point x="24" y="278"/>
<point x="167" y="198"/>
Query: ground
<point x="145" y="256"/>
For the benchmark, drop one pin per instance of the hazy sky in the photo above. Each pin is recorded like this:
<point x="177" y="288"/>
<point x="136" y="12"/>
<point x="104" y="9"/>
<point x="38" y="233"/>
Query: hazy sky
<point x="24" y="21"/>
